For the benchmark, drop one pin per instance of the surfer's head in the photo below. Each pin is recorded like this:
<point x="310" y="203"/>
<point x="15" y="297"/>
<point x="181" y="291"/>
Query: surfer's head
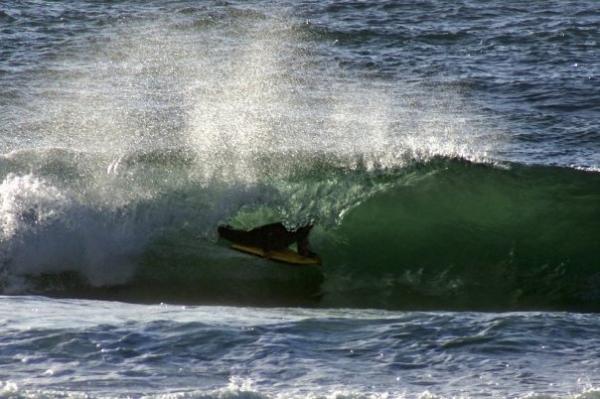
<point x="304" y="230"/>
<point x="223" y="229"/>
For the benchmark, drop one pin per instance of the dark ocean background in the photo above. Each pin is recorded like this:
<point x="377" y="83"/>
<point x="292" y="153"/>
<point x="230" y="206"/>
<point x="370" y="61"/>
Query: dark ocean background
<point x="448" y="153"/>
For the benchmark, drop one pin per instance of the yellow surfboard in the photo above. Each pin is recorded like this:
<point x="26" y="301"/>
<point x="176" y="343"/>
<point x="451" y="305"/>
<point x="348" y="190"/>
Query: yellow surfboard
<point x="283" y="255"/>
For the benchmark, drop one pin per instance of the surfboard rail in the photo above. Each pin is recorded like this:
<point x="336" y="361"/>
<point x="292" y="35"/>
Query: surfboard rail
<point x="284" y="255"/>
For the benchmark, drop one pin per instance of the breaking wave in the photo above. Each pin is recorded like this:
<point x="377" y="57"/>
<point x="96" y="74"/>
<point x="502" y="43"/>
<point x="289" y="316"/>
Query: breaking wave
<point x="436" y="233"/>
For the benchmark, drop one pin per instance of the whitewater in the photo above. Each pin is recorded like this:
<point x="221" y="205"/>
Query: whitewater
<point x="447" y="153"/>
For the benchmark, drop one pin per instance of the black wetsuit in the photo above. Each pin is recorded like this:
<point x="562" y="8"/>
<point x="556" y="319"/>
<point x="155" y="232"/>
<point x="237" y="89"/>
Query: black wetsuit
<point x="270" y="237"/>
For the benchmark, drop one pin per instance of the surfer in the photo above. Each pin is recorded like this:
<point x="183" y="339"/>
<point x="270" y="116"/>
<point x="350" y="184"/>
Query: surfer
<point x="270" y="237"/>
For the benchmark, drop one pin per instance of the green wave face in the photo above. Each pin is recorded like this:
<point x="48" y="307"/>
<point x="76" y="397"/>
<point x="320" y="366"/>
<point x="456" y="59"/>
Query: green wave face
<point x="442" y="234"/>
<point x="451" y="234"/>
<point x="438" y="234"/>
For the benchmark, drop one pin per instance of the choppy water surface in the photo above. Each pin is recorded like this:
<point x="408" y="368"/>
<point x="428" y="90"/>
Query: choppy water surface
<point x="448" y="153"/>
<point x="66" y="348"/>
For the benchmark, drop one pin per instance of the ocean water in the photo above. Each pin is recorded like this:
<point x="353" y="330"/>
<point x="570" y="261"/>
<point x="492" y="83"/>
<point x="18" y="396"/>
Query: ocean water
<point x="448" y="153"/>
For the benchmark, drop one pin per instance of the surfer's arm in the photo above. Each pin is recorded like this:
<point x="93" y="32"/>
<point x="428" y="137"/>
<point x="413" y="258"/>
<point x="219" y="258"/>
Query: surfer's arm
<point x="303" y="248"/>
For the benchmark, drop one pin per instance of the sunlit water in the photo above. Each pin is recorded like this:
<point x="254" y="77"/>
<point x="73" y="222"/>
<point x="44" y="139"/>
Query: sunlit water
<point x="448" y="153"/>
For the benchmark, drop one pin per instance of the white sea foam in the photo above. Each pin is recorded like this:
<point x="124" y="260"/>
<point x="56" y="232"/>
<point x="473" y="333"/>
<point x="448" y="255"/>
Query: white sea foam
<point x="45" y="229"/>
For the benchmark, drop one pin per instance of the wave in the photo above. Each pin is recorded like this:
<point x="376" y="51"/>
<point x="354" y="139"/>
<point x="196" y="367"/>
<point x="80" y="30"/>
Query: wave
<point x="433" y="233"/>
<point x="455" y="234"/>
